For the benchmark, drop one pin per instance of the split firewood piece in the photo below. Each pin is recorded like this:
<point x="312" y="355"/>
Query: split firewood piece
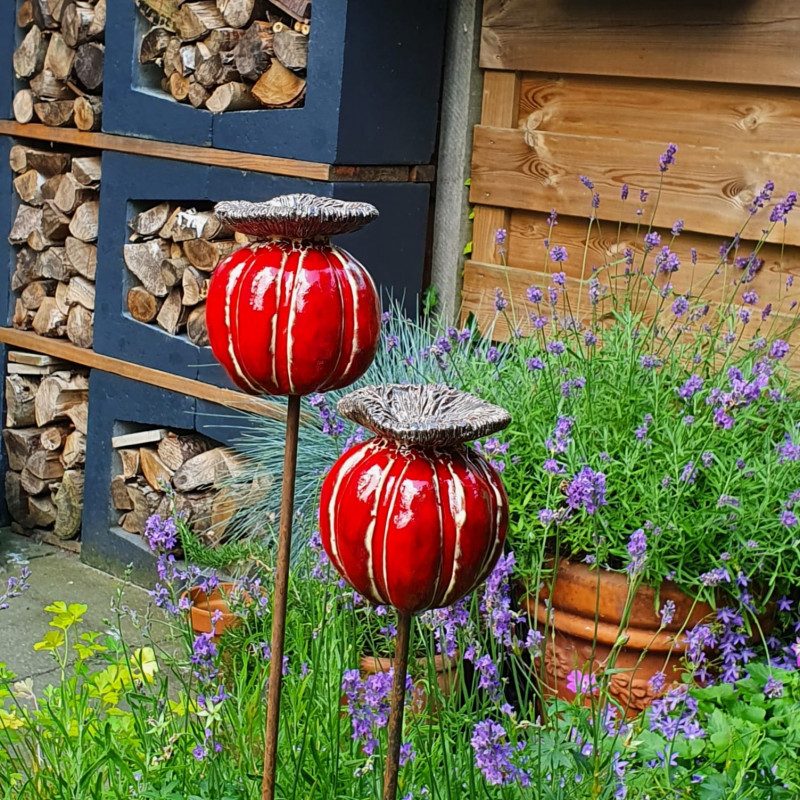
<point x="28" y="187"/>
<point x="87" y="170"/>
<point x="81" y="291"/>
<point x="35" y="292"/>
<point x="26" y="270"/>
<point x="79" y="416"/>
<point x="71" y="193"/>
<point x="28" y="220"/>
<point x="59" y="58"/>
<point x="172" y="314"/>
<point x="151" y="221"/>
<point x="43" y="161"/>
<point x="88" y="112"/>
<point x="145" y="500"/>
<point x="81" y="256"/>
<point x="188" y="59"/>
<point x="279" y="87"/>
<point x="195" y="507"/>
<point x="187" y="224"/>
<point x="55" y="224"/>
<point x="154" y="45"/>
<point x="22" y="318"/>
<point x="195" y="287"/>
<point x="138" y="438"/>
<point x="98" y="25"/>
<point x="84" y="224"/>
<point x="171" y="60"/>
<point x="42" y="511"/>
<point x="253" y="52"/>
<point x="142" y="305"/>
<point x="120" y="498"/>
<point x="42" y="468"/>
<point x="53" y="436"/>
<point x="48" y="320"/>
<point x="222" y="40"/>
<point x="129" y="457"/>
<point x="298" y="9"/>
<point x="208" y="66"/>
<point x="237" y="13"/>
<point x="155" y="472"/>
<point x="78" y="23"/>
<point x="80" y="326"/>
<point x="51" y="186"/>
<point x="22" y="106"/>
<point x="232" y="96"/>
<point x="47" y="13"/>
<point x="25" y="14"/>
<point x="196" y="326"/>
<point x="58" y="394"/>
<point x="69" y="505"/>
<point x="47" y="86"/>
<point x="74" y="453"/>
<point x="55" y="114"/>
<point x="17" y="499"/>
<point x="62" y="304"/>
<point x="144" y="261"/>
<point x="38" y="240"/>
<point x="172" y="270"/>
<point x="223" y="508"/>
<point x="175" y="449"/>
<point x="291" y="49"/>
<point x="53" y="263"/>
<point x="88" y="66"/>
<point x="29" y="57"/>
<point x="194" y="20"/>
<point x="200" y="470"/>
<point x="205" y="255"/>
<point x="197" y="94"/>
<point x="179" y="86"/>
<point x="20" y="444"/>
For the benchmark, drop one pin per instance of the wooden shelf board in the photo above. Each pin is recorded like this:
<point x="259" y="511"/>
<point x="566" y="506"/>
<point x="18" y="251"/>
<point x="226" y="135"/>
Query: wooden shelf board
<point x="210" y="156"/>
<point x="67" y="351"/>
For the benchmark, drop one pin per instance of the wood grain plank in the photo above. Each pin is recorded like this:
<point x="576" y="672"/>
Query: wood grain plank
<point x="480" y="281"/>
<point x="711" y="189"/>
<point x="174" y="383"/>
<point x="727" y="41"/>
<point x="500" y="109"/>
<point x="705" y="114"/>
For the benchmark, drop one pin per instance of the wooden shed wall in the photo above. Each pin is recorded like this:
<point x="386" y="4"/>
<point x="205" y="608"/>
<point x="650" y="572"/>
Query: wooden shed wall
<point x="598" y="88"/>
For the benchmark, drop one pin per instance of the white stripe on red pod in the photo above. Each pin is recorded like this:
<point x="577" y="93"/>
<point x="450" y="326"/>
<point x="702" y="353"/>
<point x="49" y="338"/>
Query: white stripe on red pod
<point x="389" y="517"/>
<point x="369" y="537"/>
<point x="298" y="275"/>
<point x="231" y="285"/>
<point x="458" y="508"/>
<point x="354" y="343"/>
<point x="278" y="292"/>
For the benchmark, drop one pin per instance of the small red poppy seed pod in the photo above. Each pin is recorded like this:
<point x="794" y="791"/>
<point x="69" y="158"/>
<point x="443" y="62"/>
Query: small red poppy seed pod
<point x="293" y="314"/>
<point x="414" y="518"/>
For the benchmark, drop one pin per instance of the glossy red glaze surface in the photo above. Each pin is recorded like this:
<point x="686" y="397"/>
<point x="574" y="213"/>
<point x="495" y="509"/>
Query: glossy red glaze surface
<point x="290" y="317"/>
<point x="412" y="528"/>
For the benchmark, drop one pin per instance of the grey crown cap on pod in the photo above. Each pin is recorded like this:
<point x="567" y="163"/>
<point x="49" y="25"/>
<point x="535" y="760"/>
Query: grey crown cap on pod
<point x="296" y="216"/>
<point x="431" y="415"/>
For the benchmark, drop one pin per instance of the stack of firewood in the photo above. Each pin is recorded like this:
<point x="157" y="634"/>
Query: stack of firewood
<point x="61" y="59"/>
<point x="56" y="230"/>
<point x="163" y="472"/>
<point x="47" y="405"/>
<point x="173" y="252"/>
<point x="229" y="55"/>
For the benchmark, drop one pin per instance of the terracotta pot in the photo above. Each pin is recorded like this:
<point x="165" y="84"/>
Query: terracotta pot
<point x="587" y="609"/>
<point x="446" y="677"/>
<point x="204" y="605"/>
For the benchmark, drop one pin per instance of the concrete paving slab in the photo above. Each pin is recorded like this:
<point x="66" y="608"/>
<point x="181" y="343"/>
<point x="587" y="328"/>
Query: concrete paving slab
<point x="55" y="575"/>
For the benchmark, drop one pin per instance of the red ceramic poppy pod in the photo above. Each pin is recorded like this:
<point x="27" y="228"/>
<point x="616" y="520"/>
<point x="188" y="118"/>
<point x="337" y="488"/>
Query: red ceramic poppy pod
<point x="414" y="518"/>
<point x="293" y="314"/>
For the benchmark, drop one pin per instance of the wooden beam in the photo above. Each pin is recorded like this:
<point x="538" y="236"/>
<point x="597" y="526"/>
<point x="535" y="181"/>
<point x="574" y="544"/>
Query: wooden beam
<point x="214" y="157"/>
<point x="69" y="352"/>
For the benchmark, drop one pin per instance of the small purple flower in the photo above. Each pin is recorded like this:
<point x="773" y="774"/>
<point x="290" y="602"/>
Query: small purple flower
<point x="589" y="339"/>
<point x="667" y="613"/>
<point x="643" y="195"/>
<point x="783" y="207"/>
<point x="161" y="533"/>
<point x="637" y="550"/>
<point x="556" y="347"/>
<point x="692" y="385"/>
<point x="668" y="157"/>
<point x="750" y="297"/>
<point x="500" y="237"/>
<point x="558" y="254"/>
<point x="763" y="197"/>
<point x="652" y="240"/>
<point x="677" y="228"/>
<point x="667" y="261"/>
<point x="587" y="490"/>
<point x="552" y="220"/>
<point x="693" y="253"/>
<point x="559" y="278"/>
<point x="773" y="688"/>
<point x="779" y="349"/>
<point x="546" y="516"/>
<point x="680" y="306"/>
<point x="689" y="474"/>
<point x="650" y="361"/>
<point x="586" y="182"/>
<point x="623" y="193"/>
<point x="500" y="302"/>
<point x="595" y="200"/>
<point x="535" y="363"/>
<point x="534" y="294"/>
<point x="789" y="519"/>
<point x="715" y="577"/>
<point x="494" y="755"/>
<point x="552" y="467"/>
<point x="492" y="355"/>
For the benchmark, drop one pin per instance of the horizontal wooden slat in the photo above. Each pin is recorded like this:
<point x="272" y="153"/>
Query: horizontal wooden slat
<point x="220" y="158"/>
<point x="174" y="383"/>
<point x="480" y="281"/>
<point x="709" y="188"/>
<point x="744" y="41"/>
<point x="713" y="115"/>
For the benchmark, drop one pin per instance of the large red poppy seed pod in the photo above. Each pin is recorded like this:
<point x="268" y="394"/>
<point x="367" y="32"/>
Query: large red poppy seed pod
<point x="294" y="314"/>
<point x="414" y="518"/>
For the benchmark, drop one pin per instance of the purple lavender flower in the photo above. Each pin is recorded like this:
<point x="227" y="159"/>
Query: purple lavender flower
<point x="494" y="754"/>
<point x="546" y="516"/>
<point x="667" y="613"/>
<point x="789" y="519"/>
<point x="589" y="339"/>
<point x="677" y="228"/>
<point x="558" y="254"/>
<point x="762" y="198"/>
<point x="773" y="688"/>
<point x="161" y="533"/>
<point x="534" y="294"/>
<point x="559" y="278"/>
<point x="750" y="297"/>
<point x="556" y="347"/>
<point x="535" y="363"/>
<point x="15" y="586"/>
<point x="680" y="306"/>
<point x="651" y="241"/>
<point x="552" y="467"/>
<point x="595" y="200"/>
<point x="692" y="385"/>
<point x="637" y="550"/>
<point x="788" y="451"/>
<point x="643" y="195"/>
<point x="779" y="349"/>
<point x="586" y="182"/>
<point x="689" y="474"/>
<point x="500" y="302"/>
<point x="783" y="207"/>
<point x="715" y="577"/>
<point x="552" y="220"/>
<point x="623" y="193"/>
<point x="562" y="435"/>
<point x="650" y="361"/>
<point x="707" y="459"/>
<point x="667" y="261"/>
<point x="492" y="355"/>
<point x="668" y="157"/>
<point x="587" y="490"/>
<point x="500" y="237"/>
<point x="693" y="253"/>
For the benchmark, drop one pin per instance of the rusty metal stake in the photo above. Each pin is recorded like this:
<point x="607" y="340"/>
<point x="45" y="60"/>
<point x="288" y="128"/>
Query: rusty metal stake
<point x="395" y="737"/>
<point x="279" y="598"/>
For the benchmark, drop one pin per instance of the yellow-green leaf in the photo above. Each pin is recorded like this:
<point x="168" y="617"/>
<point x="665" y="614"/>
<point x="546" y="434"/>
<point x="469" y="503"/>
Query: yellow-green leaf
<point x="52" y="640"/>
